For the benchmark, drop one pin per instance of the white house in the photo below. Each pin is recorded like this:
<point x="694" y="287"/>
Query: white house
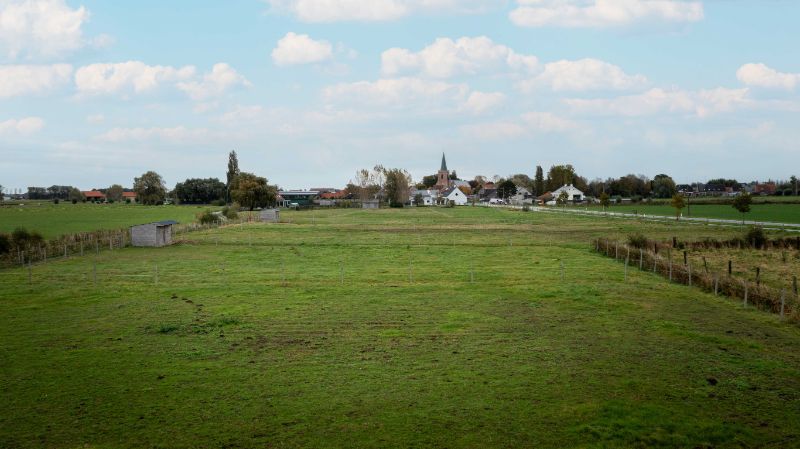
<point x="522" y="197"/>
<point x="455" y="195"/>
<point x="429" y="197"/>
<point x="573" y="194"/>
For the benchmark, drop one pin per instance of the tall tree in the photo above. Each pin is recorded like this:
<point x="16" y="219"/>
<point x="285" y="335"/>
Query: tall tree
<point x="678" y="202"/>
<point x="506" y="189"/>
<point x="605" y="200"/>
<point x="398" y="187"/>
<point x="114" y="193"/>
<point x="76" y="195"/>
<point x="200" y="191"/>
<point x="252" y="191"/>
<point x="793" y="180"/>
<point x="538" y="181"/>
<point x="560" y="175"/>
<point x="2" y="195"/>
<point x="150" y="188"/>
<point x="663" y="186"/>
<point x="231" y="174"/>
<point x="742" y="203"/>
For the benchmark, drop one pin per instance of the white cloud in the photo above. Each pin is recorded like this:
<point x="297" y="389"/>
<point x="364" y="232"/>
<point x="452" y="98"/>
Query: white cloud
<point x="445" y="58"/>
<point x="125" y="77"/>
<point x="547" y="122"/>
<point x="95" y="119"/>
<point x="37" y="28"/>
<point x="501" y="130"/>
<point x="759" y="75"/>
<point x="222" y="78"/>
<point x="583" y="75"/>
<point x="399" y="93"/>
<point x="179" y="135"/>
<point x="316" y="11"/>
<point x="604" y="13"/>
<point x="480" y="102"/>
<point x="527" y="125"/>
<point x="702" y="103"/>
<point x="32" y="79"/>
<point x="23" y="126"/>
<point x="296" y="49"/>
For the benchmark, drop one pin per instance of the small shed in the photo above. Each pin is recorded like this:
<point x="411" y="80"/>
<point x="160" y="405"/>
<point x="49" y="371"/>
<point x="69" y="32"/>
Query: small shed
<point x="270" y="215"/>
<point x="153" y="234"/>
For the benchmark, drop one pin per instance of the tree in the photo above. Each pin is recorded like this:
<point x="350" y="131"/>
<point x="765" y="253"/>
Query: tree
<point x="663" y="186"/>
<point x="114" y="193"/>
<point x="231" y="174"/>
<point x="76" y="195"/>
<point x="200" y="191"/>
<point x="419" y="200"/>
<point x="429" y="181"/>
<point x="252" y="191"/>
<point x="742" y="203"/>
<point x="538" y="181"/>
<point x="560" y="175"/>
<point x="605" y="200"/>
<point x="2" y="196"/>
<point x="365" y="185"/>
<point x="453" y="176"/>
<point x="150" y="188"/>
<point x="523" y="180"/>
<point x="562" y="199"/>
<point x="397" y="186"/>
<point x="506" y="189"/>
<point x="793" y="181"/>
<point x="678" y="202"/>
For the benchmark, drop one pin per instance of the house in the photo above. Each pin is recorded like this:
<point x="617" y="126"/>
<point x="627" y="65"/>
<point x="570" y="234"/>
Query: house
<point x="767" y="188"/>
<point x="94" y="196"/>
<point x="455" y="195"/>
<point x="155" y="234"/>
<point x="487" y="194"/>
<point x="544" y="199"/>
<point x="428" y="197"/>
<point x="270" y="215"/>
<point x="522" y="197"/>
<point x="129" y="196"/>
<point x="573" y="194"/>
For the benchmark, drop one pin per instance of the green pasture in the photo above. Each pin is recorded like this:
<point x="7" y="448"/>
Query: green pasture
<point x="394" y="328"/>
<point x="53" y="220"/>
<point x="778" y="213"/>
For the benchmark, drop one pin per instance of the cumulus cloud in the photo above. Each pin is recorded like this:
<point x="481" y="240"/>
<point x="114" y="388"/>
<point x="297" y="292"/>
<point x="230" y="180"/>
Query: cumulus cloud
<point x="583" y="75"/>
<point x="316" y="11"/>
<point x="481" y="102"/>
<point x="179" y="135"/>
<point x="126" y="77"/>
<point x="32" y="79"/>
<point x="23" y="126"/>
<point x="221" y="79"/>
<point x="547" y="122"/>
<point x="604" y="13"/>
<point x="40" y="28"/>
<point x="445" y="58"/>
<point x="528" y="124"/>
<point x="759" y="75"/>
<point x="296" y="49"/>
<point x="397" y="93"/>
<point x="702" y="103"/>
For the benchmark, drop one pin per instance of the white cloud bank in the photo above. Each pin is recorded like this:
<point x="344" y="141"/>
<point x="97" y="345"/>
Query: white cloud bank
<point x="176" y="135"/>
<point x="221" y="79"/>
<point x="583" y="75"/>
<point x="759" y="75"/>
<point x="701" y="103"/>
<point x="603" y="13"/>
<point x="18" y="80"/>
<point x="23" y="126"/>
<point x="322" y="11"/>
<point x="43" y="28"/>
<point x="294" y="49"/>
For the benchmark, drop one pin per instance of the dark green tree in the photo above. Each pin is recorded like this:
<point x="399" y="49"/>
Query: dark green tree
<point x="252" y="191"/>
<point x="538" y="181"/>
<point x="605" y="200"/>
<point x="678" y="202"/>
<point x="742" y="203"/>
<point x="200" y="191"/>
<point x="397" y="186"/>
<point x="114" y="193"/>
<point x="231" y="174"/>
<point x="664" y="186"/>
<point x="506" y="189"/>
<point x="150" y="188"/>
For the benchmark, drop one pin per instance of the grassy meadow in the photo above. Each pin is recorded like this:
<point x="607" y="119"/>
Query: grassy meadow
<point x="411" y="328"/>
<point x="53" y="220"/>
<point x="777" y="213"/>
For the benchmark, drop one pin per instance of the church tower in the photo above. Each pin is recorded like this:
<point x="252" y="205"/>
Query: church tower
<point x="443" y="176"/>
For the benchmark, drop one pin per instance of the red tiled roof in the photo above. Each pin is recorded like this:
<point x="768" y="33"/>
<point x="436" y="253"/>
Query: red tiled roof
<point x="93" y="194"/>
<point x="129" y="194"/>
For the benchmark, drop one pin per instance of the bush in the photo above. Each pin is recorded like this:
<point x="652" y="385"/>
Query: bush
<point x="218" y="203"/>
<point x="56" y="201"/>
<point x="5" y="243"/>
<point x="208" y="217"/>
<point x="230" y="213"/>
<point x="74" y="201"/>
<point x="20" y="237"/>
<point x="127" y="201"/>
<point x="756" y="237"/>
<point x="638" y="241"/>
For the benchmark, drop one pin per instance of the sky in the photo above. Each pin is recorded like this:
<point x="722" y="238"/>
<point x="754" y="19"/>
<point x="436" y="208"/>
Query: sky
<point x="96" y="92"/>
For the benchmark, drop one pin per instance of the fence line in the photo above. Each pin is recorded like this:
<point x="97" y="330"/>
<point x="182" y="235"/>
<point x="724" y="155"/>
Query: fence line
<point x="751" y="293"/>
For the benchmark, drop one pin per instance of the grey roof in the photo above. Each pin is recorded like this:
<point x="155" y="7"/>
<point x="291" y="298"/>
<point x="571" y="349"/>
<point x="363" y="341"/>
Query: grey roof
<point x="166" y="222"/>
<point x="444" y="163"/>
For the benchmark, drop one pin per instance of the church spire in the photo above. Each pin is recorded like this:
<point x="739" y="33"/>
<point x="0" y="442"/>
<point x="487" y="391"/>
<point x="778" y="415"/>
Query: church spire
<point x="444" y="164"/>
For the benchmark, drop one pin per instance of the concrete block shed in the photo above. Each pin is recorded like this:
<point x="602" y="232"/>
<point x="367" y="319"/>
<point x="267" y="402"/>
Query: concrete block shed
<point x="152" y="234"/>
<point x="270" y="215"/>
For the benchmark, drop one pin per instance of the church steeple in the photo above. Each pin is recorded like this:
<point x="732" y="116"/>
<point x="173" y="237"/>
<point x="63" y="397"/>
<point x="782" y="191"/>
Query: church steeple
<point x="444" y="164"/>
<point x="443" y="176"/>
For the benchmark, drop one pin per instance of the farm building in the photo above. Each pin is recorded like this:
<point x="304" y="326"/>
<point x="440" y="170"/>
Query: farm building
<point x="573" y="194"/>
<point x="152" y="234"/>
<point x="455" y="195"/>
<point x="270" y="215"/>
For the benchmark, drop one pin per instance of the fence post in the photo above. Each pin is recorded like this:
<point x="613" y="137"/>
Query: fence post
<point x="758" y="276"/>
<point x="641" y="259"/>
<point x="616" y="250"/>
<point x="783" y="301"/>
<point x="81" y="246"/>
<point x="30" y="272"/>
<point x="794" y="285"/>
<point x="689" y="266"/>
<point x="705" y="264"/>
<point x="670" y="268"/>
<point x="716" y="284"/>
<point x="730" y="267"/>
<point x="745" y="292"/>
<point x="110" y="243"/>
<point x="45" y="253"/>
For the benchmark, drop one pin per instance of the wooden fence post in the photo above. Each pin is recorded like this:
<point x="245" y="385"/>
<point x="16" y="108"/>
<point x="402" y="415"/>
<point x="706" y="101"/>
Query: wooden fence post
<point x="716" y="284"/>
<point x="30" y="272"/>
<point x="705" y="264"/>
<point x="758" y="276"/>
<point x="689" y="267"/>
<point x="794" y="285"/>
<point x="730" y="267"/>
<point x="641" y="259"/>
<point x="783" y="301"/>
<point x="745" y="292"/>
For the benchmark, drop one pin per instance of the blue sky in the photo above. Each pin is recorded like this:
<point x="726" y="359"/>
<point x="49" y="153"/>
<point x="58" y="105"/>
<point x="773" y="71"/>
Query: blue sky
<point x="308" y="91"/>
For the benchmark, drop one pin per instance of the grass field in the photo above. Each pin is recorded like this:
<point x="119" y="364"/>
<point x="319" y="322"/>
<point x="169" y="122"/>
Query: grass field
<point x="53" y="220"/>
<point x="394" y="328"/>
<point x="779" y="213"/>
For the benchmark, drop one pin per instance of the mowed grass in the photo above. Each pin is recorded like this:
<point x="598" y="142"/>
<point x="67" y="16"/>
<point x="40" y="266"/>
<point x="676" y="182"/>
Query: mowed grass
<point x="53" y="220"/>
<point x="410" y="328"/>
<point x="776" y="213"/>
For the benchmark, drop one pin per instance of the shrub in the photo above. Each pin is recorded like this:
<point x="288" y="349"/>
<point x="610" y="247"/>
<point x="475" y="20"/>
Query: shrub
<point x="208" y="217"/>
<point x="638" y="241"/>
<point x="218" y="203"/>
<point x="20" y="236"/>
<point x="56" y="201"/>
<point x="230" y="213"/>
<point x="74" y="201"/>
<point x="5" y="243"/>
<point x="755" y="236"/>
<point x="127" y="201"/>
